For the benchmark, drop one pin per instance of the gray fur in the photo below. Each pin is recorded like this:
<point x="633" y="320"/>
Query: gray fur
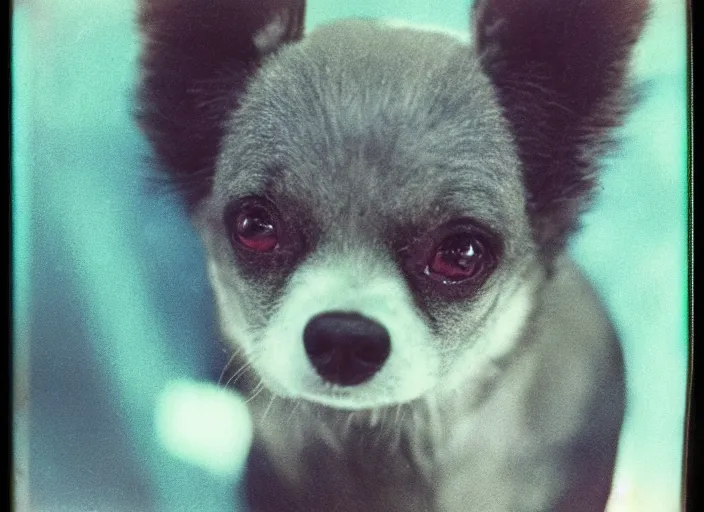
<point x="503" y="397"/>
<point x="389" y="133"/>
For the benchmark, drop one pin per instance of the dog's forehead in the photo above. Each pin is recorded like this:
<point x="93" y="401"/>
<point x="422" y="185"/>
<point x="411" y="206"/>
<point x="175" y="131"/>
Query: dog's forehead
<point x="360" y="115"/>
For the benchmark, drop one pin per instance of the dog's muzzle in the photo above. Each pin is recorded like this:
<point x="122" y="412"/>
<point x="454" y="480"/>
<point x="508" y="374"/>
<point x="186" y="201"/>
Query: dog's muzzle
<point x="346" y="348"/>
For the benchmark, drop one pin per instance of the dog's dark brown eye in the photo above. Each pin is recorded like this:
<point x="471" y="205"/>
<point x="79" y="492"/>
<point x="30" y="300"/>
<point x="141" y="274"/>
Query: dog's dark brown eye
<point x="255" y="228"/>
<point x="459" y="257"/>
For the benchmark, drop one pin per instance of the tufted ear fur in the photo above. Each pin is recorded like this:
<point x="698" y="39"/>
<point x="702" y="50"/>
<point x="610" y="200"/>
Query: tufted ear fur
<point x="196" y="59"/>
<point x="560" y="69"/>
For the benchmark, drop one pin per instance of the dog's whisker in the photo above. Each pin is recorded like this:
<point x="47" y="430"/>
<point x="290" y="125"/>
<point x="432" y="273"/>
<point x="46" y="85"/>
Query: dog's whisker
<point x="231" y="360"/>
<point x="347" y="425"/>
<point x="400" y="423"/>
<point x="255" y="392"/>
<point x="268" y="407"/>
<point x="296" y="404"/>
<point x="397" y="414"/>
<point x="238" y="374"/>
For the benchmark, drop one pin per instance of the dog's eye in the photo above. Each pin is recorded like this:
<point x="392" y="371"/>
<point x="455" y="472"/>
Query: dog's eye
<point x="255" y="229"/>
<point x="459" y="257"/>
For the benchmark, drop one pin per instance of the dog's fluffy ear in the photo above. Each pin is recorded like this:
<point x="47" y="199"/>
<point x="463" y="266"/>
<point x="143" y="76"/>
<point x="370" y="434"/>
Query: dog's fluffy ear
<point x="196" y="59"/>
<point x="559" y="68"/>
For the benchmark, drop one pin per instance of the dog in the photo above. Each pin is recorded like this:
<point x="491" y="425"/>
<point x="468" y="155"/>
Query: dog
<point x="385" y="213"/>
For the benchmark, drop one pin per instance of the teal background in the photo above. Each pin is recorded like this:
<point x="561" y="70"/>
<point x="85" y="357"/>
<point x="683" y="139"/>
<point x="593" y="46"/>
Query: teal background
<point x="110" y="295"/>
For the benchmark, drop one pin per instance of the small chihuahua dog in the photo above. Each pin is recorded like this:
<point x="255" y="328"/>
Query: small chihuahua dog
<point x="385" y="213"/>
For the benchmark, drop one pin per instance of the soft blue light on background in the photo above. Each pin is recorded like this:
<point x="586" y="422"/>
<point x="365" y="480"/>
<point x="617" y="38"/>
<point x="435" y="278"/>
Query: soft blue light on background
<point x="111" y="300"/>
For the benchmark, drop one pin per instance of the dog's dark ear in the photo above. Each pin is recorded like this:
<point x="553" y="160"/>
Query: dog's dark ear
<point x="560" y="71"/>
<point x="196" y="58"/>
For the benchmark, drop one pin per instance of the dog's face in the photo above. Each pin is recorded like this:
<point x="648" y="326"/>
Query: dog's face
<point x="379" y="205"/>
<point x="368" y="171"/>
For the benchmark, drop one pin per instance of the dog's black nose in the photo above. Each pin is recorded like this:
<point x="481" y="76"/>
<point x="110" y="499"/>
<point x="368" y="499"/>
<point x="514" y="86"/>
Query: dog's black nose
<point x="346" y="348"/>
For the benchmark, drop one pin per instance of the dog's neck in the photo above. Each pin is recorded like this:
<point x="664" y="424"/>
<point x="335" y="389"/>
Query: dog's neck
<point x="298" y="434"/>
<point x="414" y="438"/>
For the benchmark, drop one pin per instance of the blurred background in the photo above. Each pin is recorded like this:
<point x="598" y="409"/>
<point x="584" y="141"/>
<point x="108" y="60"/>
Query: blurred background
<point x="114" y="334"/>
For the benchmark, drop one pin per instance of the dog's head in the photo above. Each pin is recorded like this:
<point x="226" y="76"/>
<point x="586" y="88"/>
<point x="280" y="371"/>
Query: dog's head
<point x="379" y="205"/>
